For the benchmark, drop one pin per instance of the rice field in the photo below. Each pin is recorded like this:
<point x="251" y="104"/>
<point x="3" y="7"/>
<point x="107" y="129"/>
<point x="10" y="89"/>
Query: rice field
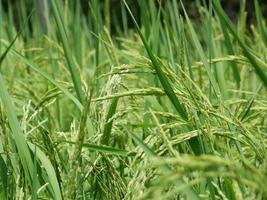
<point x="152" y="105"/>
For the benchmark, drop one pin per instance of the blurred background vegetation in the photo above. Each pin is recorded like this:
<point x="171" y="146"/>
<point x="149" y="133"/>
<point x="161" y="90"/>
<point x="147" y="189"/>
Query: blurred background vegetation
<point x="22" y="8"/>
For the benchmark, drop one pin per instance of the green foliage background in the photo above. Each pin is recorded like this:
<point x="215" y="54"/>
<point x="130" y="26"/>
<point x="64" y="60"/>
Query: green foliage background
<point x="146" y="103"/>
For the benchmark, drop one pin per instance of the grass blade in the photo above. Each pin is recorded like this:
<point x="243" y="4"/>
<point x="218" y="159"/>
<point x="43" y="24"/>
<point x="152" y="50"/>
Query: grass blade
<point x="247" y="52"/>
<point x="14" y="40"/>
<point x="162" y="77"/>
<point x="201" y="53"/>
<point x="109" y="121"/>
<point x="229" y="47"/>
<point x="103" y="149"/>
<point x="46" y="164"/>
<point x="47" y="77"/>
<point x="23" y="150"/>
<point x="20" y="141"/>
<point x="260" y="22"/>
<point x="67" y="50"/>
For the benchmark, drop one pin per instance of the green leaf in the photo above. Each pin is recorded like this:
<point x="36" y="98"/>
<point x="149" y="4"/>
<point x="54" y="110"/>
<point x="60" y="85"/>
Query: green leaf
<point x="67" y="50"/>
<point x="109" y="121"/>
<point x="20" y="141"/>
<point x="49" y="169"/>
<point x="162" y="77"/>
<point x="260" y="22"/>
<point x="247" y="52"/>
<point x="201" y="53"/>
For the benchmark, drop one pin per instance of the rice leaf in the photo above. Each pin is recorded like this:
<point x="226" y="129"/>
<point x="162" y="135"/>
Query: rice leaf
<point x="49" y="169"/>
<point x="201" y="53"/>
<point x="260" y="22"/>
<point x="109" y="121"/>
<point x="23" y="150"/>
<point x="162" y="77"/>
<point x="67" y="50"/>
<point x="246" y="50"/>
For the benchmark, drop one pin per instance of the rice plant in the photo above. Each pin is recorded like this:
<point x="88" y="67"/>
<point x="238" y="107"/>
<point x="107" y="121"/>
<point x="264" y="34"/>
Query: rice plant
<point x="142" y="102"/>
